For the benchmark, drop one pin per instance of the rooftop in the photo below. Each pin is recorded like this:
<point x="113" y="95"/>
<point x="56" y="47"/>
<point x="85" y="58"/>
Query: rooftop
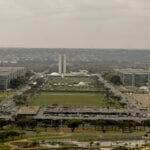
<point x="7" y="70"/>
<point x="132" y="71"/>
<point x="28" y="110"/>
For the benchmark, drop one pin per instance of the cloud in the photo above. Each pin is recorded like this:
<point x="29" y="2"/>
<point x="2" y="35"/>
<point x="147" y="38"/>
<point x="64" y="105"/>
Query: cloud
<point x="75" y="23"/>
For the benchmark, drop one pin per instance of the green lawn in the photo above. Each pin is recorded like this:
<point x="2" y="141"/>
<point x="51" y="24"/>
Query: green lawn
<point x="72" y="99"/>
<point x="87" y="135"/>
<point x="83" y="135"/>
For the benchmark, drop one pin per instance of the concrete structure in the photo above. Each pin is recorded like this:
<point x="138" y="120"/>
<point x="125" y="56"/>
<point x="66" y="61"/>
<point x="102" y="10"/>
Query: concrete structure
<point x="9" y="73"/>
<point x="28" y="110"/>
<point x="64" y="113"/>
<point x="62" y="64"/>
<point x="79" y="73"/>
<point x="55" y="74"/>
<point x="134" y="77"/>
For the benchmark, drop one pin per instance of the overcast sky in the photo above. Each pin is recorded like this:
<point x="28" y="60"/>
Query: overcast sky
<point x="75" y="23"/>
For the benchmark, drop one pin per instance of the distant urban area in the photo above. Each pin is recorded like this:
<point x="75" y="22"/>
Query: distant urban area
<point x="74" y="99"/>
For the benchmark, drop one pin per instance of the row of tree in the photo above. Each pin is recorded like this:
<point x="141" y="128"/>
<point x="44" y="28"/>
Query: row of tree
<point x="9" y="134"/>
<point x="24" y="97"/>
<point x="112" y="77"/>
<point x="103" y="125"/>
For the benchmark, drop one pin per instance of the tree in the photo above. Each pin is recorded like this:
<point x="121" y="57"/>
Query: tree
<point x="6" y="134"/>
<point x="2" y="136"/>
<point x="127" y="125"/>
<point x="15" y="83"/>
<point x="100" y="123"/>
<point x="25" y="122"/>
<point x="3" y="123"/>
<point x="40" y="81"/>
<point x="120" y="148"/>
<point x="12" y="134"/>
<point x="115" y="79"/>
<point x="73" y="124"/>
<point x="29" y="73"/>
<point x="20" y="99"/>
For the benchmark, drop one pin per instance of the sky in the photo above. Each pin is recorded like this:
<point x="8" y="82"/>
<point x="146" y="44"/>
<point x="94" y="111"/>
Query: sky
<point x="75" y="23"/>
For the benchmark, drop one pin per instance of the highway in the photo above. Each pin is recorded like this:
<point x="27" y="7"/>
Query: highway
<point x="130" y="104"/>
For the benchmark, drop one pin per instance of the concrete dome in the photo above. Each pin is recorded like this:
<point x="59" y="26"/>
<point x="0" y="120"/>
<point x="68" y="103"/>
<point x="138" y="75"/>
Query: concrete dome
<point x="144" y="88"/>
<point x="82" y="84"/>
<point x="55" y="74"/>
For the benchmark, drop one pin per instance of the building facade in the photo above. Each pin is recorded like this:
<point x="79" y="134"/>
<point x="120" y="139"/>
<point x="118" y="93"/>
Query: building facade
<point x="134" y="77"/>
<point x="9" y="73"/>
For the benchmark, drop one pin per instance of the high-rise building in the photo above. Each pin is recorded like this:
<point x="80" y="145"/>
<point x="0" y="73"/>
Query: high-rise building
<point x="62" y="63"/>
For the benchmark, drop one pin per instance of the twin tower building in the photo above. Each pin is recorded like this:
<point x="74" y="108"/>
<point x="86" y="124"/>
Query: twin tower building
<point x="62" y="64"/>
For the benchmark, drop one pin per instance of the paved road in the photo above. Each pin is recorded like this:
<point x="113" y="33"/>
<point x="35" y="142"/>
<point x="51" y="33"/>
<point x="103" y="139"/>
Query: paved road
<point x="130" y="104"/>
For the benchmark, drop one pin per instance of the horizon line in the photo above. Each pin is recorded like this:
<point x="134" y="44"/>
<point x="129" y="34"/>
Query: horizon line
<point x="67" y="48"/>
